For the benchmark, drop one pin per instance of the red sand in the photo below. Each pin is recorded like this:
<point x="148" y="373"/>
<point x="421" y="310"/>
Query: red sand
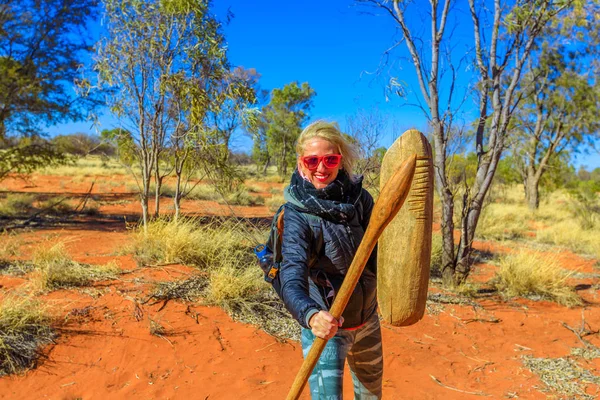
<point x="105" y="349"/>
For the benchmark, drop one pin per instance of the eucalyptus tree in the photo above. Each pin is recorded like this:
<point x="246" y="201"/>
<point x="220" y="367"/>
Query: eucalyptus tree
<point x="504" y="33"/>
<point x="279" y="124"/>
<point x="559" y="115"/>
<point x="166" y="64"/>
<point x="42" y="44"/>
<point x="561" y="98"/>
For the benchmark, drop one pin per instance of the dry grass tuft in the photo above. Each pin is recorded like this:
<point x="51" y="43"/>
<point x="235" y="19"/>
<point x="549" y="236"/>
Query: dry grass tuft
<point x="90" y="165"/>
<point x="55" y="269"/>
<point x="568" y="233"/>
<point x="233" y="280"/>
<point x="24" y="329"/>
<point x="274" y="203"/>
<point x="503" y="222"/>
<point x="230" y="283"/>
<point x="188" y="241"/>
<point x="563" y="376"/>
<point x="536" y="277"/>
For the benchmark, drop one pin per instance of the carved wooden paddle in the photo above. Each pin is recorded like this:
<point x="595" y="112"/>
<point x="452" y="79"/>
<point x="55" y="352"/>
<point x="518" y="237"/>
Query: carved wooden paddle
<point x="387" y="206"/>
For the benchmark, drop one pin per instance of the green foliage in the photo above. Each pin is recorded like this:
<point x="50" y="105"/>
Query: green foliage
<point x="278" y="126"/>
<point x="15" y="204"/>
<point x="123" y="141"/>
<point x="507" y="173"/>
<point x="25" y="155"/>
<point x="461" y="169"/>
<point x="41" y="49"/>
<point x="82" y="144"/>
<point x="175" y="89"/>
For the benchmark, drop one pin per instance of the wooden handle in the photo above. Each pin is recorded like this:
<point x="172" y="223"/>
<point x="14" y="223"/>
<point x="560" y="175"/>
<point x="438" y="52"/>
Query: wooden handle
<point x="387" y="206"/>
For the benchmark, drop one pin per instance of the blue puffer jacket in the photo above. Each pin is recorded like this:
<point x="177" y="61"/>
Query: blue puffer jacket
<point x="317" y="254"/>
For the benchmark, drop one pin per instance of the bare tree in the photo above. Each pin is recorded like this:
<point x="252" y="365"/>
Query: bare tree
<point x="366" y="128"/>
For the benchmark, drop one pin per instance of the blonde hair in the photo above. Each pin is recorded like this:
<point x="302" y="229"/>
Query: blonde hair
<point x="329" y="131"/>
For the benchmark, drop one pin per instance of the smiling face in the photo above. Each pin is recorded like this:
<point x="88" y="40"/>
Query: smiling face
<point x="322" y="175"/>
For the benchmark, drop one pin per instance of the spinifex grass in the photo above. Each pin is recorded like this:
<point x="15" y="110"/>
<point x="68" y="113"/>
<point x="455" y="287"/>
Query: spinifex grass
<point x="503" y="221"/>
<point x="24" y="329"/>
<point x="534" y="276"/>
<point x="232" y="278"/>
<point x="55" y="269"/>
<point x="188" y="241"/>
<point x="568" y="233"/>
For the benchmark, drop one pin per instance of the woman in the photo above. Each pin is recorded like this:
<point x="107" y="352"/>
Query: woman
<point x="326" y="214"/>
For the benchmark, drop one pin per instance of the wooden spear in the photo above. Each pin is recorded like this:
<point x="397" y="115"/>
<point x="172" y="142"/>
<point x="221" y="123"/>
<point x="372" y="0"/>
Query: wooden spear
<point x="387" y="206"/>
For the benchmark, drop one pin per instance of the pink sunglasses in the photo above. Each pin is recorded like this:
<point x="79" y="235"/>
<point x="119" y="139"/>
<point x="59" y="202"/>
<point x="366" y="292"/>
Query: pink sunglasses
<point x="329" y="161"/>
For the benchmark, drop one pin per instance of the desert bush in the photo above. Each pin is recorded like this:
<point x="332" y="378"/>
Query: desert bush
<point x="241" y="197"/>
<point x="55" y="269"/>
<point x="10" y="244"/>
<point x="503" y="222"/>
<point x="188" y="241"/>
<point x="198" y="192"/>
<point x="15" y="204"/>
<point x="534" y="276"/>
<point x="254" y="188"/>
<point x="585" y="204"/>
<point x="24" y="329"/>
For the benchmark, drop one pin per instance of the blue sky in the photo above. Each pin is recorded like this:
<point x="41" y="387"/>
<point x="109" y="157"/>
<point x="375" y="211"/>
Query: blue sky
<point x="334" y="48"/>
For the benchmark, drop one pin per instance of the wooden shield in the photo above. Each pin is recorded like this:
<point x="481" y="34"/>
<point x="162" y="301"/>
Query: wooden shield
<point x="404" y="248"/>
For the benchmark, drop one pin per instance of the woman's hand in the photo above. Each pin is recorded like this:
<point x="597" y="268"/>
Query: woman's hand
<point x="323" y="325"/>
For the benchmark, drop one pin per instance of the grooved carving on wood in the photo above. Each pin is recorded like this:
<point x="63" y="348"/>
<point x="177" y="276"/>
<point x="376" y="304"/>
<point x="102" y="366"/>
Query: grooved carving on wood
<point x="404" y="250"/>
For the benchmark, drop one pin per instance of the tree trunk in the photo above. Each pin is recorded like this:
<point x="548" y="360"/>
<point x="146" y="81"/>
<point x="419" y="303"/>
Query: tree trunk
<point x="157" y="191"/>
<point x="144" y="201"/>
<point x="532" y="191"/>
<point x="283" y="170"/>
<point x="177" y="198"/>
